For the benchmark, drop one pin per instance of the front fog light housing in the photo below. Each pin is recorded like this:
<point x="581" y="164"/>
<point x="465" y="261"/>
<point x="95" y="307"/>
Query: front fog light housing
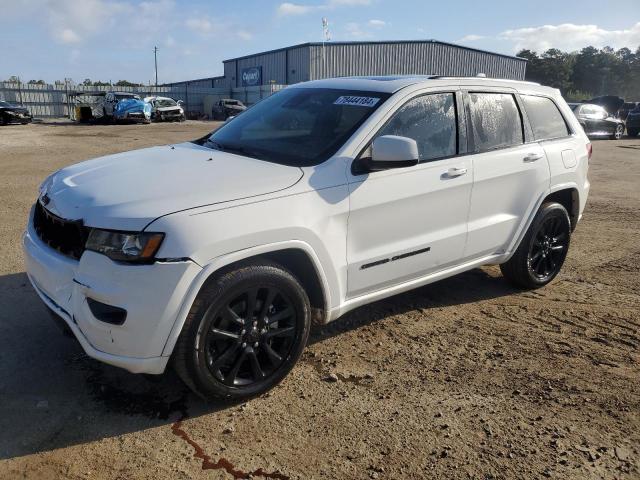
<point x="125" y="246"/>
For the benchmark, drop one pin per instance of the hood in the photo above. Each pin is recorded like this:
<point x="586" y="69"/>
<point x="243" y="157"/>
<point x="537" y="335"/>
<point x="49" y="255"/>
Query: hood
<point x="236" y="107"/>
<point x="131" y="104"/>
<point x="610" y="103"/>
<point x="14" y="108"/>
<point x="129" y="190"/>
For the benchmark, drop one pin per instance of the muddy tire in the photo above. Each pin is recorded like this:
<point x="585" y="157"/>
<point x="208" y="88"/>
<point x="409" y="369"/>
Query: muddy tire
<point x="541" y="253"/>
<point x="245" y="331"/>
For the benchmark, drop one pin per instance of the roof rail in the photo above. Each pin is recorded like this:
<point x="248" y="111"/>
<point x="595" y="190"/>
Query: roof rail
<point x="478" y="77"/>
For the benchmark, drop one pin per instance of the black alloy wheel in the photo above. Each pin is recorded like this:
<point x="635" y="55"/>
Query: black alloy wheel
<point x="543" y="249"/>
<point x="245" y="331"/>
<point x="249" y="337"/>
<point x="548" y="248"/>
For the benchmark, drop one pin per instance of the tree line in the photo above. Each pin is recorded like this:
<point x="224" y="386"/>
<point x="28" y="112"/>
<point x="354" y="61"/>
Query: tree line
<point x="86" y="82"/>
<point x="589" y="73"/>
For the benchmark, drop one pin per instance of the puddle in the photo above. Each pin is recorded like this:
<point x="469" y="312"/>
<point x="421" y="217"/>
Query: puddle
<point x="222" y="463"/>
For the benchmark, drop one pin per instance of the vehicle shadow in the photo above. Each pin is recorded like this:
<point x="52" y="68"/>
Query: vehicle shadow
<point x="53" y="396"/>
<point x="469" y="287"/>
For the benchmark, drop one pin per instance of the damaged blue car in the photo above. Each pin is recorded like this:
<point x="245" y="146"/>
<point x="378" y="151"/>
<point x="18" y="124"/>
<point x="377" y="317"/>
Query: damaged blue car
<point x="132" y="109"/>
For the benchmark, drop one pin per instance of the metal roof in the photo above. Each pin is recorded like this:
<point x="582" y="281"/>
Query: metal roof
<point x="389" y="42"/>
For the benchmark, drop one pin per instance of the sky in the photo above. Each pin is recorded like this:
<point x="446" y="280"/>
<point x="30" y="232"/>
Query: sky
<point x="111" y="40"/>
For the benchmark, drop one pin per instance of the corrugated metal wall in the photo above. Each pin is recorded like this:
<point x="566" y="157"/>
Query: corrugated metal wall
<point x="299" y="62"/>
<point x="312" y="61"/>
<point x="44" y="101"/>
<point x="281" y="67"/>
<point x="342" y="60"/>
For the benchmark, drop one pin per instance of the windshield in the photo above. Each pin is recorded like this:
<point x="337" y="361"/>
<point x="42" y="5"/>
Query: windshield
<point x="5" y="104"/>
<point x="297" y="126"/>
<point x="121" y="96"/>
<point x="165" y="102"/>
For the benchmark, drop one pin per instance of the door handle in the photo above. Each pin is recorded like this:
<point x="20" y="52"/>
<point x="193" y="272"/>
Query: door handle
<point x="532" y="157"/>
<point x="456" y="172"/>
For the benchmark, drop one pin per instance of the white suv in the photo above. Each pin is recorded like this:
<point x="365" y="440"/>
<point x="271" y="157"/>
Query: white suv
<point x="220" y="253"/>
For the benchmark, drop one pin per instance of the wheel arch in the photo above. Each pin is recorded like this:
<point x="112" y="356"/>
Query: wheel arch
<point x="567" y="195"/>
<point x="569" y="198"/>
<point x="296" y="256"/>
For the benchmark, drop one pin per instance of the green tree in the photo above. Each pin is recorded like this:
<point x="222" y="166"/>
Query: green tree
<point x="126" y="83"/>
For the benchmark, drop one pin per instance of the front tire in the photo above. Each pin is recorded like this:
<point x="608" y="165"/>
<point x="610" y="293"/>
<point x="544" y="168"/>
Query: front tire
<point x="618" y="133"/>
<point x="542" y="251"/>
<point x="244" y="333"/>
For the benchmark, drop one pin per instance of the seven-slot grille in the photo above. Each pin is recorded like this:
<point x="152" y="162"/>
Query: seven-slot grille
<point x="66" y="236"/>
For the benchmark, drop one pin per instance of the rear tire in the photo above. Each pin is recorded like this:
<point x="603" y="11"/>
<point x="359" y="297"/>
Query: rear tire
<point x="542" y="251"/>
<point x="245" y="331"/>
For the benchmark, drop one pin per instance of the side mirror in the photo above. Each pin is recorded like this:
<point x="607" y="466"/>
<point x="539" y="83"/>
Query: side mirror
<point x="391" y="151"/>
<point x="180" y="103"/>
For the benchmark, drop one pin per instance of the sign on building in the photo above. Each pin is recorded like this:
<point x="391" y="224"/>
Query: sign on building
<point x="251" y="76"/>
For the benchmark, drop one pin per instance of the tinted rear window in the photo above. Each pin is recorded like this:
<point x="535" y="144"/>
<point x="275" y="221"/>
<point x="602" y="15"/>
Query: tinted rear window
<point x="545" y="118"/>
<point x="495" y="121"/>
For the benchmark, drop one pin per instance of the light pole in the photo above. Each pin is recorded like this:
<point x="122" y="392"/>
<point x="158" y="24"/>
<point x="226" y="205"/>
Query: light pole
<point x="155" y="59"/>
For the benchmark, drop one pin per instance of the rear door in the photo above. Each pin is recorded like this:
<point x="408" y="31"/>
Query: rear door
<point x="552" y="132"/>
<point x="510" y="170"/>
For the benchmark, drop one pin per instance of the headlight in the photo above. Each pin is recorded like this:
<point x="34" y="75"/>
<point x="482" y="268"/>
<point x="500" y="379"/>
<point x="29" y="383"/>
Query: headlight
<point x="125" y="246"/>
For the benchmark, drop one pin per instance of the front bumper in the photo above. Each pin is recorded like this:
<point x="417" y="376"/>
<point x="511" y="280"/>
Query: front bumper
<point x="168" y="115"/>
<point x="152" y="295"/>
<point x="133" y="116"/>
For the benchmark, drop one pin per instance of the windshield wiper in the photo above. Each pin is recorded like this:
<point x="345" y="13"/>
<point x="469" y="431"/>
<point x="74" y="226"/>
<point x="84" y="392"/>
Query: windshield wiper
<point x="232" y="149"/>
<point x="213" y="144"/>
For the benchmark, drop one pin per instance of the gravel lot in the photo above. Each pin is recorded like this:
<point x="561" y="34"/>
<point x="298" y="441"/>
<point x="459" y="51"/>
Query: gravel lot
<point x="466" y="378"/>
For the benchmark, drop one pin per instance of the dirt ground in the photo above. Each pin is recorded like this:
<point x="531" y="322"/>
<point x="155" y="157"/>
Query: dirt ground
<point x="466" y="378"/>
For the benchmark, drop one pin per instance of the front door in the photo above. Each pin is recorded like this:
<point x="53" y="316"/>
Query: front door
<point x="408" y="222"/>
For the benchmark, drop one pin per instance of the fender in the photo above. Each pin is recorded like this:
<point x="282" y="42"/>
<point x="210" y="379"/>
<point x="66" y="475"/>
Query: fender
<point x="219" y="262"/>
<point x="513" y="246"/>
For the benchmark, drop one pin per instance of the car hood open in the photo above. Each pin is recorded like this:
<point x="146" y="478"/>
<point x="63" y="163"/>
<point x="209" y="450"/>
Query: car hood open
<point x="127" y="191"/>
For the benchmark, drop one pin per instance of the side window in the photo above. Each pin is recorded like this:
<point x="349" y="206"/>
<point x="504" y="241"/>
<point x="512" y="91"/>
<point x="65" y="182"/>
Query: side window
<point x="495" y="121"/>
<point x="545" y="118"/>
<point x="431" y="121"/>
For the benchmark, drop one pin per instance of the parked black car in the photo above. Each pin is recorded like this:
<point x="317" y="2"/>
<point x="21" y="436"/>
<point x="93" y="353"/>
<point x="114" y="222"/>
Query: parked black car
<point x="226" y="108"/>
<point x="626" y="108"/>
<point x="13" y="114"/>
<point x="633" y="121"/>
<point x="597" y="122"/>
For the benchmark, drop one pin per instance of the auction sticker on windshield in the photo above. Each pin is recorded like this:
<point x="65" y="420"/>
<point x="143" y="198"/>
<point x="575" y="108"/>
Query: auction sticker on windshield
<point x="357" y="101"/>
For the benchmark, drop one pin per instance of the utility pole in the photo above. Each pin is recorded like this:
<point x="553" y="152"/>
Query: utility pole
<point x="155" y="58"/>
<point x="326" y="36"/>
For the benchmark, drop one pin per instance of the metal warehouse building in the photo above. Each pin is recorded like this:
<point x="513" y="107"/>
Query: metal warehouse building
<point x="312" y="61"/>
